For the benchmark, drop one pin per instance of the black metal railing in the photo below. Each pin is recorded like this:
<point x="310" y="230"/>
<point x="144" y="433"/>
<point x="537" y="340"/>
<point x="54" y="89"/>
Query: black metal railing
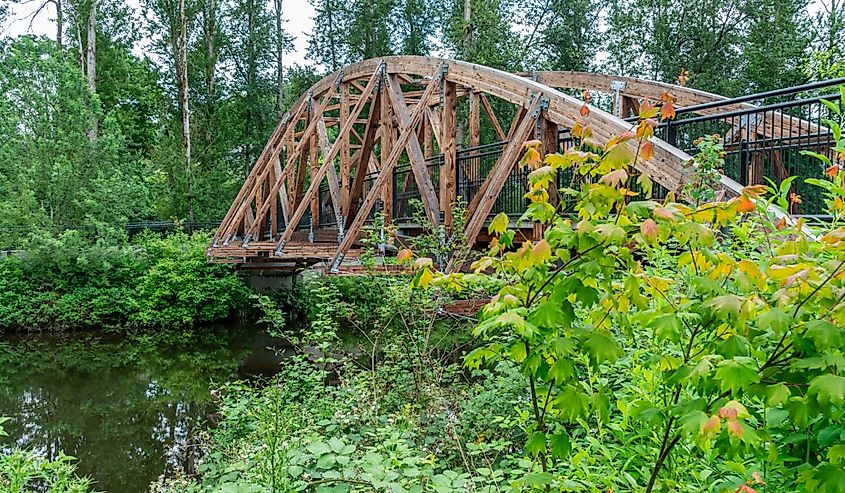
<point x="761" y="140"/>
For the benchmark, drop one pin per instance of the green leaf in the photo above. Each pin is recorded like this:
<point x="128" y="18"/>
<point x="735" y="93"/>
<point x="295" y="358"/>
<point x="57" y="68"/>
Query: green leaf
<point x="499" y="224"/>
<point x="562" y="371"/>
<point x="538" y="479"/>
<point x="326" y="461"/>
<point x="667" y="327"/>
<point x="536" y="443"/>
<point x="820" y="157"/>
<point x="736" y="374"/>
<point x="828" y="389"/>
<point x="775" y="319"/>
<point x="601" y="348"/>
<point x="836" y="454"/>
<point x="832" y="106"/>
<point x="319" y="448"/>
<point x="561" y="445"/>
<point x="824" y="334"/>
<point x="776" y="394"/>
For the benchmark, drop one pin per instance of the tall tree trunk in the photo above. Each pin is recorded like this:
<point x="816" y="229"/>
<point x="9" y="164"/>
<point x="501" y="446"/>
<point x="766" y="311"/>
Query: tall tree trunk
<point x="332" y="37"/>
<point x="91" y="66"/>
<point x="467" y="28"/>
<point x="280" y="50"/>
<point x="60" y="22"/>
<point x="183" y="102"/>
<point x="210" y="70"/>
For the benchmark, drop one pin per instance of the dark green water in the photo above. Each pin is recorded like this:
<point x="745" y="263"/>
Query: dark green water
<point x="127" y="407"/>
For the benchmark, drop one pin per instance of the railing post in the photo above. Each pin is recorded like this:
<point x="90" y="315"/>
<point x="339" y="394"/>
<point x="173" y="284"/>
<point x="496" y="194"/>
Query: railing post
<point x="671" y="133"/>
<point x="743" y="162"/>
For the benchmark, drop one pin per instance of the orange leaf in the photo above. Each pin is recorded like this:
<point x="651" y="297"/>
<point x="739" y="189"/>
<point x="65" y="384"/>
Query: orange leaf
<point x="711" y="425"/>
<point x="735" y="429"/>
<point x="754" y="191"/>
<point x="648" y="110"/>
<point x="585" y="111"/>
<point x="404" y="254"/>
<point x="667" y="112"/>
<point x="614" y="178"/>
<point x="647" y="151"/>
<point x="745" y="205"/>
<point x="649" y="230"/>
<point x="832" y="171"/>
<point x="781" y="225"/>
<point x="683" y="77"/>
<point x="727" y="413"/>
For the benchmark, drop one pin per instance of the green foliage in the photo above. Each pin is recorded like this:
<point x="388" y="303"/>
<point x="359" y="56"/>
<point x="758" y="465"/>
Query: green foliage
<point x="708" y="170"/>
<point x="22" y="471"/>
<point x="69" y="281"/>
<point x="714" y="326"/>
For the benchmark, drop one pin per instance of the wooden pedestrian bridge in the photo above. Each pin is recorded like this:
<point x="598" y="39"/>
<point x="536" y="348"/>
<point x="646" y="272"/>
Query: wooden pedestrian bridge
<point x="390" y="135"/>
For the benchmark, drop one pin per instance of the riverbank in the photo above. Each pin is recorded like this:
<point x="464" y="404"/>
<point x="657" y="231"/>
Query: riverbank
<point x="71" y="282"/>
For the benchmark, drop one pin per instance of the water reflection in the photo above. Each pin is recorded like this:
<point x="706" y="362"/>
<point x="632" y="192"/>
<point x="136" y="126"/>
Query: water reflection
<point x="127" y="408"/>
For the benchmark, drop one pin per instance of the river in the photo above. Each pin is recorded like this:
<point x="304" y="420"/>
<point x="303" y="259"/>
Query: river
<point x="128" y="407"/>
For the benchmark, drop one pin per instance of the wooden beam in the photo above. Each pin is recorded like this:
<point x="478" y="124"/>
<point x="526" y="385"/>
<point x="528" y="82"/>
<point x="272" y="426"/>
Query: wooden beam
<point x="448" y="170"/>
<point x="386" y="172"/>
<point x="345" y="152"/>
<point x="483" y="201"/>
<point x="328" y="160"/>
<point x="283" y="199"/>
<point x="312" y="125"/>
<point x="434" y="119"/>
<point x="415" y="153"/>
<point x="334" y="185"/>
<point x="364" y="158"/>
<point x="284" y="128"/>
<point x="388" y="137"/>
<point x="500" y="133"/>
<point x="474" y="119"/>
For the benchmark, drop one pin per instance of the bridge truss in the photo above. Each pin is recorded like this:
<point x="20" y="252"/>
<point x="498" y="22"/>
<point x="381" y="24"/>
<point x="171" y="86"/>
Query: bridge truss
<point x="385" y="134"/>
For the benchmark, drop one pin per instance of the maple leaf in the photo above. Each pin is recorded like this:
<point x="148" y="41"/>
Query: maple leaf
<point x="648" y="110"/>
<point x="647" y="150"/>
<point x="745" y="205"/>
<point x="649" y="230"/>
<point x="667" y="112"/>
<point x="683" y="77"/>
<point x="404" y="254"/>
<point x="615" y="178"/>
<point x="734" y="428"/>
<point x="711" y="426"/>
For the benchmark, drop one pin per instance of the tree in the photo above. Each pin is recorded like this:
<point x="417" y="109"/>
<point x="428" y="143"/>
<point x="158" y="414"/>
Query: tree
<point x="283" y="43"/>
<point x="325" y="44"/>
<point x="481" y="32"/>
<point x="414" y="22"/>
<point x="561" y="35"/>
<point x="53" y="174"/>
<point x="826" y="60"/>
<point x="778" y="35"/>
<point x="658" y="39"/>
<point x="251" y="58"/>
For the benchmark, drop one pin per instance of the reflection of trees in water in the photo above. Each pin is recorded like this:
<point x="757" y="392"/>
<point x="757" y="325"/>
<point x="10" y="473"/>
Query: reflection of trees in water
<point x="125" y="408"/>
